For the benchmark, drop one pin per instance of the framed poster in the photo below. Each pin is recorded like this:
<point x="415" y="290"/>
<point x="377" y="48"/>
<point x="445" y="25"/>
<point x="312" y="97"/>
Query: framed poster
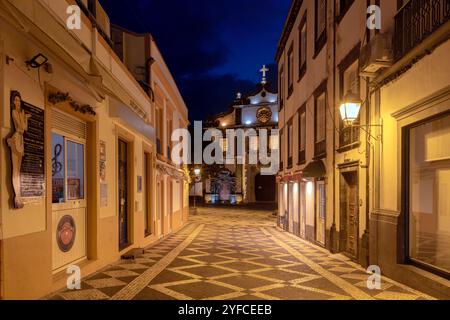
<point x="102" y="161"/>
<point x="27" y="145"/>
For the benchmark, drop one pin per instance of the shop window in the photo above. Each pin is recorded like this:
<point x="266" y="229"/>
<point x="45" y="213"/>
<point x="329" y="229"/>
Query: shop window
<point x="67" y="169"/>
<point x="75" y="171"/>
<point x="429" y="190"/>
<point x="58" y="168"/>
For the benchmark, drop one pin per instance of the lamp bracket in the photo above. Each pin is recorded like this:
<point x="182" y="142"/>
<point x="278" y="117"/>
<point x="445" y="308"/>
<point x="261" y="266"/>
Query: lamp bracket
<point x="365" y="128"/>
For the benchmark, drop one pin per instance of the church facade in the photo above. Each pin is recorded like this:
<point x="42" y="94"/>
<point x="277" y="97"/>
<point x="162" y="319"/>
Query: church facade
<point x="237" y="181"/>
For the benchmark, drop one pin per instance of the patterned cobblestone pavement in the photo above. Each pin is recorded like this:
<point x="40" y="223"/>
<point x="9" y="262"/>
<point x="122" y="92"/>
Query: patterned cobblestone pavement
<point x="235" y="254"/>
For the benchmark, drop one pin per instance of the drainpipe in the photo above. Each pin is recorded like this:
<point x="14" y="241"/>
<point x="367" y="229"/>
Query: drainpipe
<point x="333" y="230"/>
<point x="365" y="237"/>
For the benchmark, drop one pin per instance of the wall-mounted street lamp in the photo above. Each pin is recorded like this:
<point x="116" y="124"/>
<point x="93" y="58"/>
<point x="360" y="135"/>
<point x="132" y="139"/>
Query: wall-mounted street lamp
<point x="349" y="109"/>
<point x="37" y="61"/>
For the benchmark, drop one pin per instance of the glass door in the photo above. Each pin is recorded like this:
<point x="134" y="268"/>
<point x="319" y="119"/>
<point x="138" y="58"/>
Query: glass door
<point x="68" y="199"/>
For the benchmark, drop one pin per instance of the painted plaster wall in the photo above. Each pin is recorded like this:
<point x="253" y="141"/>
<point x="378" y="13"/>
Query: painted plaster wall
<point x="428" y="76"/>
<point x="27" y="234"/>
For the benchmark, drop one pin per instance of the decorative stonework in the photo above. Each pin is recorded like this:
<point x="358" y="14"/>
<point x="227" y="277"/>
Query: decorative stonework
<point x="264" y="115"/>
<point x="58" y="97"/>
<point x="65" y="233"/>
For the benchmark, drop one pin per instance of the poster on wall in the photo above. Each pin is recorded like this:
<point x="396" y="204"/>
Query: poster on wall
<point x="102" y="162"/>
<point x="103" y="195"/>
<point x="27" y="150"/>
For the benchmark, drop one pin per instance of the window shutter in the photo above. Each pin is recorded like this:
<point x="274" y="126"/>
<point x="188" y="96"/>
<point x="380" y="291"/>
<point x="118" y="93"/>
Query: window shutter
<point x="68" y="124"/>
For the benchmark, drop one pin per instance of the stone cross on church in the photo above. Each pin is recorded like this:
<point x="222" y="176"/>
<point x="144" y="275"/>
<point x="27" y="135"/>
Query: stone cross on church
<point x="264" y="71"/>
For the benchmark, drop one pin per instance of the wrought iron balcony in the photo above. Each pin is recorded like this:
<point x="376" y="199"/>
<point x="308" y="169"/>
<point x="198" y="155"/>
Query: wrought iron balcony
<point x="417" y="20"/>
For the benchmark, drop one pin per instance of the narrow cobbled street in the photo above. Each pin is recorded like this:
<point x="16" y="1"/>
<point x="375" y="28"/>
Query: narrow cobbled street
<point x="235" y="254"/>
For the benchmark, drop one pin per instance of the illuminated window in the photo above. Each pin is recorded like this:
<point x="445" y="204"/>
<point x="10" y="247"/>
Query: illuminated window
<point x="67" y="171"/>
<point x="429" y="189"/>
<point x="58" y="168"/>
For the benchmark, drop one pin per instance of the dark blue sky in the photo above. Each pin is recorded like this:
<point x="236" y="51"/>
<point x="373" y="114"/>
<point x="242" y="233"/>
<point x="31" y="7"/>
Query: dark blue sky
<point x="213" y="48"/>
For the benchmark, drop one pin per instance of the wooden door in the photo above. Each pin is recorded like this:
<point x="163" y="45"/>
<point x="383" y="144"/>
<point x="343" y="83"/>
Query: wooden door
<point x="352" y="215"/>
<point x="123" y="195"/>
<point x="148" y="219"/>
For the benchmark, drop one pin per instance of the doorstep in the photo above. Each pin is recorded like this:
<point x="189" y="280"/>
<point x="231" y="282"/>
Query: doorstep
<point x="423" y="280"/>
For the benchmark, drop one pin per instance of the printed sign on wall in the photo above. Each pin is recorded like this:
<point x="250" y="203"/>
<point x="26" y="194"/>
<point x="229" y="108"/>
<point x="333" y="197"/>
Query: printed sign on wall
<point x="27" y="145"/>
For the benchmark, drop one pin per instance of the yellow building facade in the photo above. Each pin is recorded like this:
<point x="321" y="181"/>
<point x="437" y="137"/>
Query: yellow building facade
<point x="373" y="190"/>
<point x="96" y="178"/>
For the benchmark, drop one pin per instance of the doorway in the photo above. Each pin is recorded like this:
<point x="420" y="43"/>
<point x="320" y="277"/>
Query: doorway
<point x="320" y="212"/>
<point x="170" y="205"/>
<point x="265" y="188"/>
<point x="349" y="214"/>
<point x="123" y="195"/>
<point x="291" y="219"/>
<point x="69" y="197"/>
<point x="302" y="210"/>
<point x="160" y="207"/>
<point x="147" y="192"/>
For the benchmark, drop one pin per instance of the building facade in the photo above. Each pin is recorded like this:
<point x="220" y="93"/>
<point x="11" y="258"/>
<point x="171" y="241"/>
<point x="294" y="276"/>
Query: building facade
<point x="86" y="172"/>
<point x="238" y="181"/>
<point x="372" y="189"/>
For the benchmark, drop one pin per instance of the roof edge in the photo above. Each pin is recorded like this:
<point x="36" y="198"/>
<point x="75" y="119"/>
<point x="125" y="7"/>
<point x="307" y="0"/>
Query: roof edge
<point x="288" y="25"/>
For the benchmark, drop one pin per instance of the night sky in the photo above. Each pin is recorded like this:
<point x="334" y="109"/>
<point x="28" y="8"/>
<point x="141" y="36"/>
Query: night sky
<point x="214" y="48"/>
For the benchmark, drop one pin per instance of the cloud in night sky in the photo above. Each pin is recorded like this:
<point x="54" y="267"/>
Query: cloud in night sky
<point x="213" y="48"/>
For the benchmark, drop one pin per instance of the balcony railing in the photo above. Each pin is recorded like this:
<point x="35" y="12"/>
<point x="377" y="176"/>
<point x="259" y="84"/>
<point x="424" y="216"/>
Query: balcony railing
<point x="98" y="17"/>
<point x="416" y="20"/>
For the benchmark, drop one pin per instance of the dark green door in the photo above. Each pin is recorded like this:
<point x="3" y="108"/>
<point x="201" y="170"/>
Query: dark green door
<point x="123" y="195"/>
